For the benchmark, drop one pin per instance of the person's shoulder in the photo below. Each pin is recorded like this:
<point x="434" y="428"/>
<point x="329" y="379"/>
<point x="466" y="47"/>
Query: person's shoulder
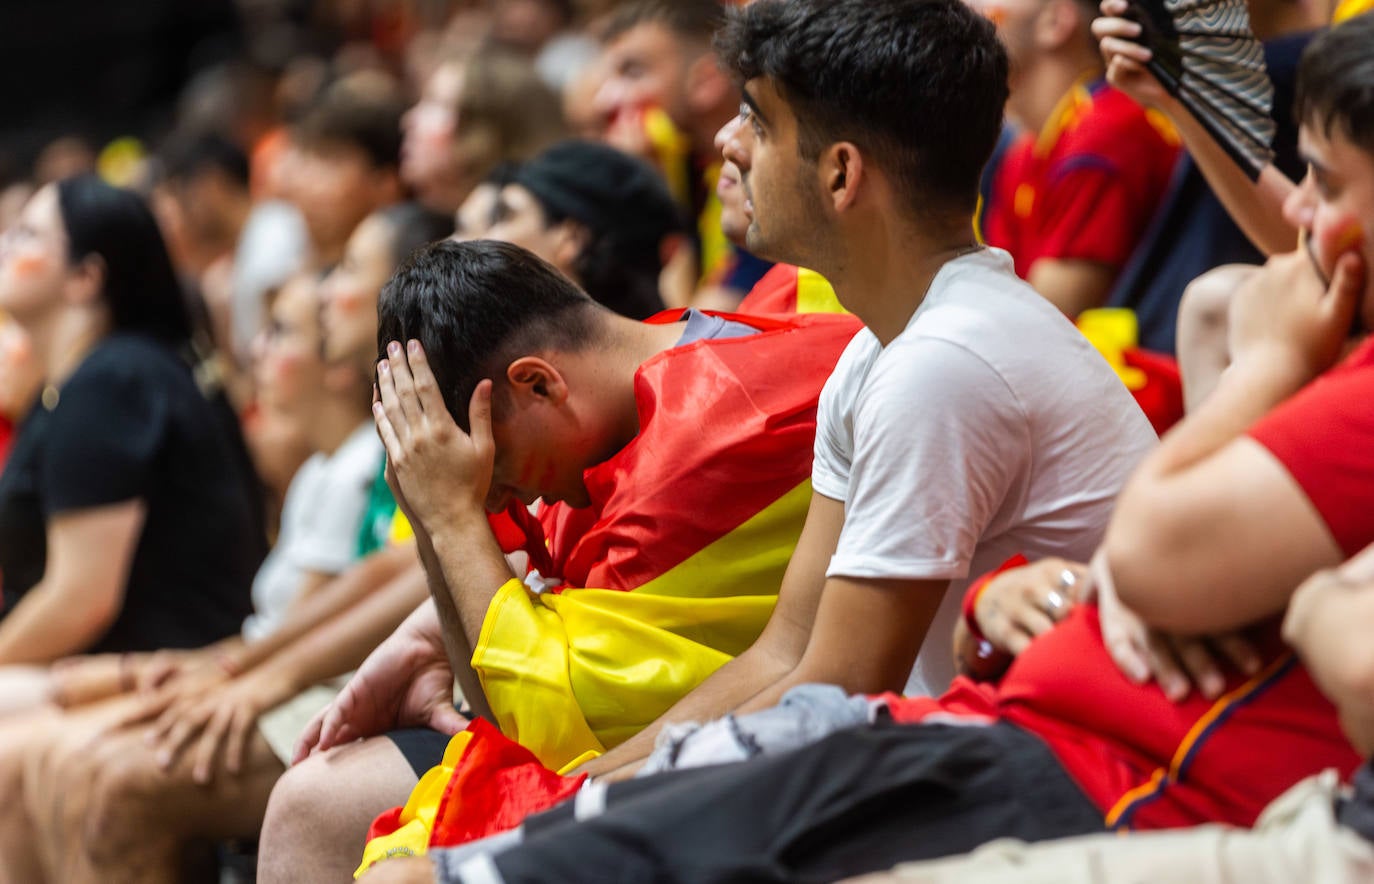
<point x="1113" y="126"/>
<point x="127" y="359"/>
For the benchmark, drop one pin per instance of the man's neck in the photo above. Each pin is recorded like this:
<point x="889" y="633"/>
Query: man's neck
<point x="1042" y="85"/>
<point x="885" y="278"/>
<point x="611" y="372"/>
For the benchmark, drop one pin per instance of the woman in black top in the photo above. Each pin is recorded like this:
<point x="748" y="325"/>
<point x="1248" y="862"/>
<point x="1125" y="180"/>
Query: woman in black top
<point x="128" y="510"/>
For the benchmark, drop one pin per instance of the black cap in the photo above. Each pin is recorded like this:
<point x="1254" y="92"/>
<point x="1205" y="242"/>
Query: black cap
<point x="611" y="193"/>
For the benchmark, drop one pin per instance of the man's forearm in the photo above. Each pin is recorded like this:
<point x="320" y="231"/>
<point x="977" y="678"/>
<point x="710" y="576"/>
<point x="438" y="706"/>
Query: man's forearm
<point x="341" y="594"/>
<point x="465" y="568"/>
<point x="1256" y="206"/>
<point x="340" y="644"/>
<point x="44" y="627"/>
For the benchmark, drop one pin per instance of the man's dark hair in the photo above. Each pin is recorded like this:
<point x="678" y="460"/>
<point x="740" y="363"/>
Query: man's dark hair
<point x="358" y="114"/>
<point x="188" y="156"/>
<point x="687" y="19"/>
<point x="918" y="85"/>
<point x="478" y="306"/>
<point x="1336" y="82"/>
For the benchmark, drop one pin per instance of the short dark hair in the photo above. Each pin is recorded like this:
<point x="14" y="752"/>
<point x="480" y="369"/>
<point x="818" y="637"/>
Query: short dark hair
<point x="921" y="85"/>
<point x="687" y="19"/>
<point x="478" y="306"/>
<point x="1336" y="82"/>
<point x="186" y="156"/>
<point x="356" y="114"/>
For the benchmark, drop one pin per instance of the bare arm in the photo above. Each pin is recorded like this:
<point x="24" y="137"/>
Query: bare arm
<point x="324" y="598"/>
<point x="1071" y="285"/>
<point x="1171" y="564"/>
<point x="1256" y="206"/>
<point x="90" y="552"/>
<point x="340" y="644"/>
<point x="778" y="649"/>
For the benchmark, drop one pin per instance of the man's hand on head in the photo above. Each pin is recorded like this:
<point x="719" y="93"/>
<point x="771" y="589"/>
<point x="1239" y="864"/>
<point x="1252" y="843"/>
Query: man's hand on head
<point x="440" y="473"/>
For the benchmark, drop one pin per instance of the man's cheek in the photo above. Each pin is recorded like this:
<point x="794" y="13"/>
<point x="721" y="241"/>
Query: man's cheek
<point x="1336" y="237"/>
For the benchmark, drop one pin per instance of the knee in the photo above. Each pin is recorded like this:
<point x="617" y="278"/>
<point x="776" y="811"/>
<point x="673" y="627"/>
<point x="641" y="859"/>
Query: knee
<point x="118" y="800"/>
<point x="299" y="807"/>
<point x="1205" y="307"/>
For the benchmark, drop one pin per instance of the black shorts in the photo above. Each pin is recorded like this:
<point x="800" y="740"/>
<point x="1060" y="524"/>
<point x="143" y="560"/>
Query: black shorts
<point x="421" y="747"/>
<point x="858" y="801"/>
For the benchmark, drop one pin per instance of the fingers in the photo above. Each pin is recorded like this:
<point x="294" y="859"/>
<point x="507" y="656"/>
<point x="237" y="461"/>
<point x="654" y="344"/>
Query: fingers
<point x="1165" y="668"/>
<point x="1114" y="8"/>
<point x="1126" y="645"/>
<point x="479" y="419"/>
<point x="211" y="738"/>
<point x="308" y="740"/>
<point x="1200" y="666"/>
<point x="176" y="737"/>
<point x="403" y="384"/>
<point x="1347" y="285"/>
<point x="1239" y="652"/>
<point x="427" y="394"/>
<point x="446" y="720"/>
<point x="1117" y="29"/>
<point x="240" y="727"/>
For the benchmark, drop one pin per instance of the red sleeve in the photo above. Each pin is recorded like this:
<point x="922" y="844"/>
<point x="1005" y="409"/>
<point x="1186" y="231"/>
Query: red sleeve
<point x="1323" y="436"/>
<point x="1105" y="185"/>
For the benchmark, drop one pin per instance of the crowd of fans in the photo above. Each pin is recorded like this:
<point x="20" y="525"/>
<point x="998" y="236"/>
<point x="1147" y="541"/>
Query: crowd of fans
<point x="684" y="440"/>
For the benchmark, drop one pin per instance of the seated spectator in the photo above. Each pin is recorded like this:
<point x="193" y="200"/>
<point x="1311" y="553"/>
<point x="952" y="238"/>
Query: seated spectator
<point x="601" y="217"/>
<point x="1076" y="192"/>
<point x="664" y="548"/>
<point x="1316" y="831"/>
<point x="215" y="752"/>
<point x="128" y="520"/>
<point x="663" y="98"/>
<point x="941" y="385"/>
<point x="476" y="112"/>
<point x="1065" y="743"/>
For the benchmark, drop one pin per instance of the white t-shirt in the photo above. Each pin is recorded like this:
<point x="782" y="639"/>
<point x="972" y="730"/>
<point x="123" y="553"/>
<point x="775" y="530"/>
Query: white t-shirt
<point x="320" y="522"/>
<point x="988" y="427"/>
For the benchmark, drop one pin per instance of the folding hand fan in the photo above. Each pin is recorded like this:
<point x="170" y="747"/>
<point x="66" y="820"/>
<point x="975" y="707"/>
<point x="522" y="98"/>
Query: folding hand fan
<point x="1205" y="55"/>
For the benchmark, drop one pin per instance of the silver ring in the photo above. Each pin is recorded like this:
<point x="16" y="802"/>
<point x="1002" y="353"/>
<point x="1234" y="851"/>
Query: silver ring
<point x="1067" y="579"/>
<point x="1054" y="601"/>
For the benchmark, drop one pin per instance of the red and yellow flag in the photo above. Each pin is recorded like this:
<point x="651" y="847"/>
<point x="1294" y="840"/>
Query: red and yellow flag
<point x="672" y="570"/>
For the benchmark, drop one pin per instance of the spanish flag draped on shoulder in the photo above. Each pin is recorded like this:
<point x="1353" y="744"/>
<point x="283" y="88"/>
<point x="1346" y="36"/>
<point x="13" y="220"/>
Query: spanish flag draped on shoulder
<point x="672" y="570"/>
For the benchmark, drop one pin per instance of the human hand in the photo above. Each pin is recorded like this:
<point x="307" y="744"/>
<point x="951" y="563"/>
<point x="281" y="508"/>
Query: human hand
<point x="215" y="725"/>
<point x="442" y="474"/>
<point x="1286" y="318"/>
<point x="77" y="681"/>
<point x="1176" y="663"/>
<point x="1020" y="604"/>
<point x="1126" y="59"/>
<point x="406" y="682"/>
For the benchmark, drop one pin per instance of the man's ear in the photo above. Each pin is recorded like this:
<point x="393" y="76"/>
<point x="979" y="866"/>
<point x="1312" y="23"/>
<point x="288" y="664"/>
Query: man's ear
<point x="707" y="85"/>
<point x="85" y="281"/>
<point x="842" y="174"/>
<point x="535" y="379"/>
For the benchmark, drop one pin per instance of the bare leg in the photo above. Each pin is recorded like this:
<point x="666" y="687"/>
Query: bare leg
<point x="20" y="862"/>
<point x="321" y="809"/>
<point x="112" y="815"/>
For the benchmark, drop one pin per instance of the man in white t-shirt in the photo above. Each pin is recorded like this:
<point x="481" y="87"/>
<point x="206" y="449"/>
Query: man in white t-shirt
<point x="969" y="421"/>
